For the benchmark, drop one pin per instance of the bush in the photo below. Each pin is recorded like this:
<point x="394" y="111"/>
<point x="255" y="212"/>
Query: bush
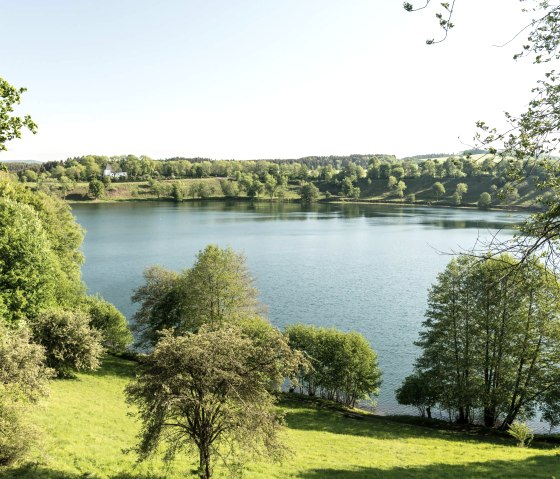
<point x="485" y="200"/>
<point x="22" y="381"/>
<point x="70" y="342"/>
<point x="522" y="432"/>
<point x="96" y="189"/>
<point x="110" y="322"/>
<point x="343" y="365"/>
<point x="16" y="436"/>
<point x="415" y="391"/>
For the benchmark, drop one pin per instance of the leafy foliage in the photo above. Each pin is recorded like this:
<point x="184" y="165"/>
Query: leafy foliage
<point x="160" y="301"/>
<point x="23" y="378"/>
<point x="29" y="269"/>
<point x="110" y="322"/>
<point x="11" y="125"/>
<point x="217" y="289"/>
<point x="210" y="391"/>
<point x="343" y="365"/>
<point x="64" y="236"/>
<point x="416" y="391"/>
<point x="491" y="339"/>
<point x="71" y="344"/>
<point x="309" y="193"/>
<point x="522" y="432"/>
<point x="96" y="188"/>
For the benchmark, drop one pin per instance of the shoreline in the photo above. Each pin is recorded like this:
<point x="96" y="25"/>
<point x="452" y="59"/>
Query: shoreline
<point x="337" y="201"/>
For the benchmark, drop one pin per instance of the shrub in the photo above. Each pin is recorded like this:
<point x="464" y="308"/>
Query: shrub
<point x="522" y="432"/>
<point x="16" y="436"/>
<point x="110" y="322"/>
<point x="343" y="365"/>
<point x="70" y="342"/>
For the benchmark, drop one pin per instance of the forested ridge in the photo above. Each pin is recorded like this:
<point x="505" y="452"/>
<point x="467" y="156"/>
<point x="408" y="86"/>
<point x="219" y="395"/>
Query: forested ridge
<point x="474" y="178"/>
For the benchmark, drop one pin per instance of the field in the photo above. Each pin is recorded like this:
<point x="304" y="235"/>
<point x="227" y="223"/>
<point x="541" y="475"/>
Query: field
<point x="86" y="427"/>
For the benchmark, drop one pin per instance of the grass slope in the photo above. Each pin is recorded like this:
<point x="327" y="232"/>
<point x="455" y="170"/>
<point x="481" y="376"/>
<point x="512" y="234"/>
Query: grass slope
<point x="86" y="426"/>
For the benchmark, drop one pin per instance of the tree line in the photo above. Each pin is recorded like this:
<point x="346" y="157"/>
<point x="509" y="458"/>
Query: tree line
<point x="490" y="344"/>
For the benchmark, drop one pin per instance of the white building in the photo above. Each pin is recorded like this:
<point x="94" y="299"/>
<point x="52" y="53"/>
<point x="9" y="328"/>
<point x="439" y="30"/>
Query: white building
<point x="108" y="171"/>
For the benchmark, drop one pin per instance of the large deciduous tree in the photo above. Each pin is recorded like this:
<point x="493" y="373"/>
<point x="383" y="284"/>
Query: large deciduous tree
<point x="217" y="289"/>
<point x="210" y="391"/>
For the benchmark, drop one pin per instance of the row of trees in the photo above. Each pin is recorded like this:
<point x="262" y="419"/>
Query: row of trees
<point x="490" y="343"/>
<point x="329" y="169"/>
<point x="351" y="181"/>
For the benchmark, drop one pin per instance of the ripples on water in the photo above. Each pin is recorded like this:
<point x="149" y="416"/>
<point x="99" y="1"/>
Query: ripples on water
<point x="354" y="267"/>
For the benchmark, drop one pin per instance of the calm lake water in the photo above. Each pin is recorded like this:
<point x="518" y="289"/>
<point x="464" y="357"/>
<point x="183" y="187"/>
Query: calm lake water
<point x="365" y="268"/>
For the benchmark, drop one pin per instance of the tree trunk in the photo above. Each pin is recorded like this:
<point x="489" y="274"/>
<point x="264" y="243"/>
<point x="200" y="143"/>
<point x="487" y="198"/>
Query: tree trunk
<point x="204" y="468"/>
<point x="429" y="412"/>
<point x="489" y="417"/>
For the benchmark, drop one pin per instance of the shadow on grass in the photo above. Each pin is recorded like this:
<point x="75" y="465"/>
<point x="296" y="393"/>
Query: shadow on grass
<point x="318" y="415"/>
<point x="308" y="418"/>
<point x="377" y="427"/>
<point x="537" y="467"/>
<point x="113" y="366"/>
<point x="34" y="471"/>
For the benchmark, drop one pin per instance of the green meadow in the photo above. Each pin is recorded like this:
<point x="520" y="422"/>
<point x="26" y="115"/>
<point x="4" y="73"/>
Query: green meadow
<point x="85" y="426"/>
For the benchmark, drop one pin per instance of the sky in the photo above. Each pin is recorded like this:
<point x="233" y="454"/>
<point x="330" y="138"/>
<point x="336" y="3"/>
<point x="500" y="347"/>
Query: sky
<point x="250" y="79"/>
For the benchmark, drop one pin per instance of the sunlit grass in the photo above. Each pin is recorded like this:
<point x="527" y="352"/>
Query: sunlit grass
<point x="86" y="427"/>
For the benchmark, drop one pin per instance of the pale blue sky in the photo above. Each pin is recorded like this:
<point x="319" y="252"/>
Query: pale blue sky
<point x="255" y="78"/>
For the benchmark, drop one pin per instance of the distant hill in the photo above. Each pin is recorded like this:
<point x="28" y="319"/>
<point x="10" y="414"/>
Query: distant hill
<point x="21" y="161"/>
<point x="433" y="156"/>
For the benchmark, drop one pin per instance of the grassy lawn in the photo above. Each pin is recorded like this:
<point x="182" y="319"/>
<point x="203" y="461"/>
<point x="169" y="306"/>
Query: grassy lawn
<point x="86" y="427"/>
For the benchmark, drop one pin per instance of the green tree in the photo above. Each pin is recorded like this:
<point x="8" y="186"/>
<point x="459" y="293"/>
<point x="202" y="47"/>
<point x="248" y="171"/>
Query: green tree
<point x="270" y="185"/>
<point x="217" y="289"/>
<point x="462" y="188"/>
<point x="63" y="233"/>
<point x="159" y="298"/>
<point x="96" y="188"/>
<point x="309" y="193"/>
<point x="66" y="185"/>
<point x="110" y="322"/>
<point x="344" y="367"/>
<point x="30" y="175"/>
<point x="71" y="344"/>
<point x="416" y="391"/>
<point x="177" y="192"/>
<point x="29" y="269"/>
<point x="491" y="340"/>
<point x="211" y="391"/>
<point x="399" y="189"/>
<point x="439" y="189"/>
<point x="354" y="193"/>
<point x="10" y="124"/>
<point x="229" y="188"/>
<point x="485" y="200"/>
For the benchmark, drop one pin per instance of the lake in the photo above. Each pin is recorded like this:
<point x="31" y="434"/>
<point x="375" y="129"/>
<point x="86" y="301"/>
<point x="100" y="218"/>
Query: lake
<point x="365" y="268"/>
